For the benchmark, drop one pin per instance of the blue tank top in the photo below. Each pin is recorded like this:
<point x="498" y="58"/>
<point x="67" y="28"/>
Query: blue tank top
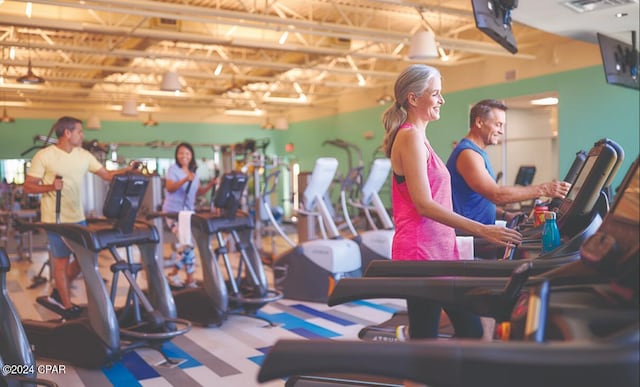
<point x="466" y="201"/>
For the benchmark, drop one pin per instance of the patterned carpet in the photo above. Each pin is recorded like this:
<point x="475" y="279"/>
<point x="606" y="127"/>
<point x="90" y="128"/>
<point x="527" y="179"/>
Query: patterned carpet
<point x="229" y="355"/>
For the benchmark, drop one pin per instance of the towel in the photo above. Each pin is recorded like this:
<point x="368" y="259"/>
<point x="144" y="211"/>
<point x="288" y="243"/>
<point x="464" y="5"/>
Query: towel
<point x="184" y="228"/>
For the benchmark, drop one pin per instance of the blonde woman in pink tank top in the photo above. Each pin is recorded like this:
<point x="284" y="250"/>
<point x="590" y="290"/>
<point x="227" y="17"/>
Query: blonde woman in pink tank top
<point x="421" y="195"/>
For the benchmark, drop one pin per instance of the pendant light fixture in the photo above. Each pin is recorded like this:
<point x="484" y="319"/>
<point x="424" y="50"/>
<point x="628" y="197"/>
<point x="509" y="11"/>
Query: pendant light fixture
<point x="150" y="121"/>
<point x="30" y="78"/>
<point x="267" y="125"/>
<point x="130" y="108"/>
<point x="6" y="118"/>
<point x="93" y="122"/>
<point x="385" y="98"/>
<point x="234" y="88"/>
<point x="170" y="81"/>
<point x="423" y="46"/>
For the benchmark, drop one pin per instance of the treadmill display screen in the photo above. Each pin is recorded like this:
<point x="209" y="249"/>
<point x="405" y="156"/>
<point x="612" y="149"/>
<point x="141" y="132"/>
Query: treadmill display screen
<point x="584" y="173"/>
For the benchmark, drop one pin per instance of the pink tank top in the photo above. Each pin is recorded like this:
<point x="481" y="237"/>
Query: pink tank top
<point x="417" y="237"/>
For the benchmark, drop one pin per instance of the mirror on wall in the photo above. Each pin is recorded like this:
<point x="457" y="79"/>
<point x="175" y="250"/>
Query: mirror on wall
<point x="531" y="139"/>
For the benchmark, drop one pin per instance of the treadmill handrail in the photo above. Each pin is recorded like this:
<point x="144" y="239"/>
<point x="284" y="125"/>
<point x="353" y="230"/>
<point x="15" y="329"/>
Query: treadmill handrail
<point x="455" y="363"/>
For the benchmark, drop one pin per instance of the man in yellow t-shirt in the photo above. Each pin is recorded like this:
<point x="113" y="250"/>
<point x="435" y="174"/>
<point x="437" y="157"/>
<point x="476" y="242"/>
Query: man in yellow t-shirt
<point x="68" y="160"/>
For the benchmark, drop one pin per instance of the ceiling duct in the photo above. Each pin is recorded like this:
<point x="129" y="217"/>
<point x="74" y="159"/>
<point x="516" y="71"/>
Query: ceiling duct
<point x="581" y="6"/>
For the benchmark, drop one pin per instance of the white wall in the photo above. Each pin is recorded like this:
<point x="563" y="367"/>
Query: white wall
<point x="530" y="139"/>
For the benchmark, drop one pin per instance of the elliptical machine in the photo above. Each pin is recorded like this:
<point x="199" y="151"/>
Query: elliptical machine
<point x="98" y="338"/>
<point x="309" y="270"/>
<point x="375" y="244"/>
<point x="246" y="290"/>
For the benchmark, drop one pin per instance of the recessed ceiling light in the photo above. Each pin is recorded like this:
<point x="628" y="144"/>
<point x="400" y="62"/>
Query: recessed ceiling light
<point x="548" y="101"/>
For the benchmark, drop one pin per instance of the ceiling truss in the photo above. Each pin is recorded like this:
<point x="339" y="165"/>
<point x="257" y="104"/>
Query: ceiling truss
<point x="103" y="52"/>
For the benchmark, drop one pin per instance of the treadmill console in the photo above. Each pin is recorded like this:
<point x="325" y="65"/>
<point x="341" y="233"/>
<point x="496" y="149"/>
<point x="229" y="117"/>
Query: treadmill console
<point x="612" y="250"/>
<point x="124" y="198"/>
<point x="616" y="241"/>
<point x="584" y="192"/>
<point x="229" y="193"/>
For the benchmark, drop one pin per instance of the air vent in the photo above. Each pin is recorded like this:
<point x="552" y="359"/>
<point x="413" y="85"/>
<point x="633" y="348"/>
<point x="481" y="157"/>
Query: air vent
<point x="582" y="6"/>
<point x="165" y="23"/>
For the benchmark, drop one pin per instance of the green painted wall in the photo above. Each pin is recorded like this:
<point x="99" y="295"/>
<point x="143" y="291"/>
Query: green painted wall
<point x="18" y="137"/>
<point x="589" y="109"/>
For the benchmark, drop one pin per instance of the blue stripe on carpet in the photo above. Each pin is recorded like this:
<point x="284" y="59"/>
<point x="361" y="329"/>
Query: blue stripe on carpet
<point x="301" y="327"/>
<point x="309" y="334"/>
<point x="326" y="316"/>
<point x="257" y="359"/>
<point x="173" y="351"/>
<point x="383" y="308"/>
<point x="139" y="368"/>
<point x="264" y="350"/>
<point x="119" y="375"/>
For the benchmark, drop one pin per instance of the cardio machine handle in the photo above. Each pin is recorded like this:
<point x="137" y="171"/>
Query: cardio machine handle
<point x="58" y="200"/>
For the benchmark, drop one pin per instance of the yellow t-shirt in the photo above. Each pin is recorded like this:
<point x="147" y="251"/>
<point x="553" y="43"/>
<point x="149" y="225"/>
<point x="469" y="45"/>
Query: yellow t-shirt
<point x="73" y="166"/>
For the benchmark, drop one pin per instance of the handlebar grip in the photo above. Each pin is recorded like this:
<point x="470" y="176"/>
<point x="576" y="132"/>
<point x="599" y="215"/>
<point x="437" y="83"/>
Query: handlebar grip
<point x="58" y="201"/>
<point x="518" y="278"/>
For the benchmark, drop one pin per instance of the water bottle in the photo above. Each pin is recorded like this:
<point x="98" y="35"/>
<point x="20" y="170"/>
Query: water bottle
<point x="550" y="232"/>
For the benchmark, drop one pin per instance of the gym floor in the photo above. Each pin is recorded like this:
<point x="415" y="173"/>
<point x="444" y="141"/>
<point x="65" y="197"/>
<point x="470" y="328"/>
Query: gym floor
<point x="229" y="355"/>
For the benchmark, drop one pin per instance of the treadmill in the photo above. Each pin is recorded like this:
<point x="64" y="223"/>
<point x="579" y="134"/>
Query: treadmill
<point x="576" y="325"/>
<point x="584" y="206"/>
<point x="580" y="216"/>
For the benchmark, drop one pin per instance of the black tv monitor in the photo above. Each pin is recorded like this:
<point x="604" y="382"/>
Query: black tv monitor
<point x="493" y="17"/>
<point x="620" y="62"/>
<point x="525" y="175"/>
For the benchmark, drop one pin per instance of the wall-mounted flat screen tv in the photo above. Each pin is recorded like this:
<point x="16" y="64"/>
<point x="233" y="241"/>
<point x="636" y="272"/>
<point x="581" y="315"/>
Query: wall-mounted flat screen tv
<point x="493" y="17"/>
<point x="620" y="62"/>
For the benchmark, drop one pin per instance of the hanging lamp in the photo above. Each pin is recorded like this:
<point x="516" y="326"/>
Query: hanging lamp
<point x="6" y="118"/>
<point x="170" y="81"/>
<point x="130" y="108"/>
<point x="93" y="122"/>
<point x="150" y="121"/>
<point x="30" y="78"/>
<point x="423" y="46"/>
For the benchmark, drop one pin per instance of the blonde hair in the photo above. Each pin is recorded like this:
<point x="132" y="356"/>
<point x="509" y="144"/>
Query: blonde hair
<point x="414" y="79"/>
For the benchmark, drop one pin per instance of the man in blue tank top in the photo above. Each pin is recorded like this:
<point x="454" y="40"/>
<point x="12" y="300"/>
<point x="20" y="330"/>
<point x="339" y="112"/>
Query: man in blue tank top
<point x="474" y="189"/>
